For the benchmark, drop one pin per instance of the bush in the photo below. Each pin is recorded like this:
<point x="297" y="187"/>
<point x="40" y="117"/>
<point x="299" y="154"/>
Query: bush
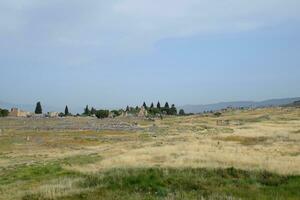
<point x="3" y="113"/>
<point x="217" y="114"/>
<point x="181" y="112"/>
<point x="154" y="111"/>
<point x="116" y="113"/>
<point x="102" y="114"/>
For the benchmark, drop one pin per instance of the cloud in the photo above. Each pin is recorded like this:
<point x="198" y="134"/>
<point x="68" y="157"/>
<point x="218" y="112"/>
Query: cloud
<point x="120" y="26"/>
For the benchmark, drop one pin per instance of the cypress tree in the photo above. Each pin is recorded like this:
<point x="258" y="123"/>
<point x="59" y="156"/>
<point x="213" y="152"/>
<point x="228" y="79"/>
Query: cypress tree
<point x="158" y="105"/>
<point x="38" y="108"/>
<point x="152" y="105"/>
<point x="145" y="106"/>
<point x="86" y="110"/>
<point x="93" y="111"/>
<point x="67" y="111"/>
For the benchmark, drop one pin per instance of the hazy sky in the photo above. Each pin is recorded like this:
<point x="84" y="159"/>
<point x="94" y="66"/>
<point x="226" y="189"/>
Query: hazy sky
<point x="118" y="52"/>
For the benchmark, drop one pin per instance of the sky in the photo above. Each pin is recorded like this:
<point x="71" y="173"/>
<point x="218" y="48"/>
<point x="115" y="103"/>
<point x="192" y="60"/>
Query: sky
<point x="110" y="54"/>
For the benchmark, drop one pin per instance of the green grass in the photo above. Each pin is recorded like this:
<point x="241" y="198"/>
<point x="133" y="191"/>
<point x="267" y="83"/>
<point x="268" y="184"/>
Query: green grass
<point x="156" y="183"/>
<point x="40" y="171"/>
<point x="35" y="172"/>
<point x="81" y="159"/>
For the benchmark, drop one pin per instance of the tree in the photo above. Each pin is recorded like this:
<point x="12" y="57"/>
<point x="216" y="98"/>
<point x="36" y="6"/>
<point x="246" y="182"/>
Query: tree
<point x="152" y="105"/>
<point x="167" y="105"/>
<point x="38" y="108"/>
<point x="4" y="113"/>
<point x="181" y="112"/>
<point x="67" y="111"/>
<point x="154" y="111"/>
<point x="173" y="110"/>
<point x="145" y="105"/>
<point x="87" y="112"/>
<point x="158" y="105"/>
<point x="116" y="113"/>
<point x="127" y="109"/>
<point x="93" y="111"/>
<point x="102" y="114"/>
<point x="166" y="109"/>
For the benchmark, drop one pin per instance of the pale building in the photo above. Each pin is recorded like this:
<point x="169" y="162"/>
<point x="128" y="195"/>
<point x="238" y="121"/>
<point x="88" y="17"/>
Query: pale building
<point x="53" y="114"/>
<point x="15" y="112"/>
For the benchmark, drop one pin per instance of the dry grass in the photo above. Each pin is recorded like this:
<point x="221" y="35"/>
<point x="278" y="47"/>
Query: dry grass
<point x="55" y="189"/>
<point x="243" y="140"/>
<point x="262" y="139"/>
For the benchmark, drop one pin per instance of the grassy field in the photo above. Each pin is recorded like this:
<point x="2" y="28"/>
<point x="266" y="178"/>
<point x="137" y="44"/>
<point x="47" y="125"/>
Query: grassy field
<point x="254" y="155"/>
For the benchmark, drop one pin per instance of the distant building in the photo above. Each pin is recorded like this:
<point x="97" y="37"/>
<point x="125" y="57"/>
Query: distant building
<point x="53" y="114"/>
<point x="15" y="112"/>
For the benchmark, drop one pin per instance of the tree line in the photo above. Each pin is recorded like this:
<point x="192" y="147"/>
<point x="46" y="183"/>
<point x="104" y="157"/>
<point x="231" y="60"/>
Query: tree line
<point x="103" y="113"/>
<point x="166" y="109"/>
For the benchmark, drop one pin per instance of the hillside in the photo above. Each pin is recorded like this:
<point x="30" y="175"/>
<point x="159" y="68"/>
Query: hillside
<point x="238" y="104"/>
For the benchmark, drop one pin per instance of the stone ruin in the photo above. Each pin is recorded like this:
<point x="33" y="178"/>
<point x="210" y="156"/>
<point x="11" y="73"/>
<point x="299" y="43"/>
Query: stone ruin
<point x="143" y="112"/>
<point x="15" y="112"/>
<point x="223" y="122"/>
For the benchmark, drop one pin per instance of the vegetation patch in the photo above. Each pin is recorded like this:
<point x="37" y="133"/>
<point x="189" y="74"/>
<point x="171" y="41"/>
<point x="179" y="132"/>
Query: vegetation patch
<point x="243" y="140"/>
<point x="297" y="131"/>
<point x="81" y="159"/>
<point x="257" y="119"/>
<point x="35" y="172"/>
<point x="158" y="183"/>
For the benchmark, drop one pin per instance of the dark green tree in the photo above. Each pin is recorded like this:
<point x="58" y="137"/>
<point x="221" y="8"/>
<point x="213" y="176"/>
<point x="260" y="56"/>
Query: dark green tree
<point x="127" y="109"/>
<point x="93" y="111"/>
<point x="158" y="105"/>
<point x="87" y="111"/>
<point x="173" y="110"/>
<point x="145" y="105"/>
<point x="102" y="114"/>
<point x="4" y="113"/>
<point x="154" y="111"/>
<point x="166" y="109"/>
<point x="167" y="105"/>
<point x="116" y="113"/>
<point x="152" y="105"/>
<point x="67" y="111"/>
<point x="38" y="108"/>
<point x="181" y="112"/>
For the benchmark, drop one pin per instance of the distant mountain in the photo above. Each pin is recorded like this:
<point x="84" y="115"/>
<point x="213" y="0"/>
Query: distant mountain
<point x="238" y="104"/>
<point x="294" y="104"/>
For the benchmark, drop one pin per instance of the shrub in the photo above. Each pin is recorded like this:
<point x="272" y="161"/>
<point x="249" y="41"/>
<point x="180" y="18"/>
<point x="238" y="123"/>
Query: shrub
<point x="3" y="113"/>
<point x="116" y="113"/>
<point x="217" y="114"/>
<point x="181" y="112"/>
<point x="102" y="114"/>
